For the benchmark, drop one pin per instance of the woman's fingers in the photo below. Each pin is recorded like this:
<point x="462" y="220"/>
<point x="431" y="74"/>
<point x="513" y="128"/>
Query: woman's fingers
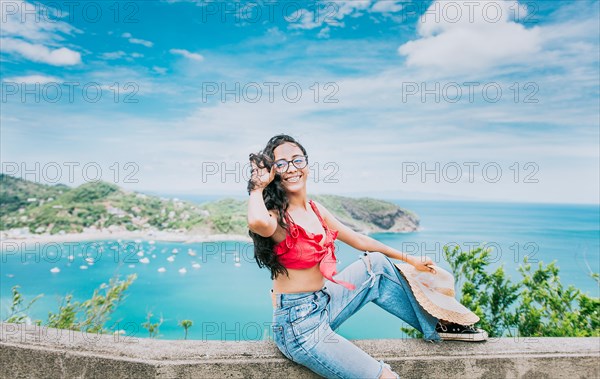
<point x="262" y="176"/>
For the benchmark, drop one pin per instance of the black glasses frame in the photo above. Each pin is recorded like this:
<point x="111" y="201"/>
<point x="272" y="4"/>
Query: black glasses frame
<point x="287" y="163"/>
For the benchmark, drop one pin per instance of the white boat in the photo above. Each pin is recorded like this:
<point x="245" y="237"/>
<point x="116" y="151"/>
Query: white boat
<point x="182" y="270"/>
<point x="171" y="258"/>
<point x="83" y="267"/>
<point x="54" y="270"/>
<point x="162" y="269"/>
<point x="145" y="260"/>
<point x="196" y="265"/>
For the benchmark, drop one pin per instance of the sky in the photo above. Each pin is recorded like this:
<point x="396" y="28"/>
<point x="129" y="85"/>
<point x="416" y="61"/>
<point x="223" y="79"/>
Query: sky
<point x="449" y="100"/>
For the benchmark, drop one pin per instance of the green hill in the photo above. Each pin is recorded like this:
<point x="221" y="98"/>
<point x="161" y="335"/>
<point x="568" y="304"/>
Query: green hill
<point x="54" y="208"/>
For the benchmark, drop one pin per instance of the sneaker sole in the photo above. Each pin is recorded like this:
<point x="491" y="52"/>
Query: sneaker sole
<point x="462" y="337"/>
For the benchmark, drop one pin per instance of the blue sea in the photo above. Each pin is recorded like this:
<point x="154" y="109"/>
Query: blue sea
<point x="221" y="289"/>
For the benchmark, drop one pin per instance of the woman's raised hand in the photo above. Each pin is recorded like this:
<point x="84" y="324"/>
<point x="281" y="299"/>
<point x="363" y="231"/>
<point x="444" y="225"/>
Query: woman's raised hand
<point x="263" y="172"/>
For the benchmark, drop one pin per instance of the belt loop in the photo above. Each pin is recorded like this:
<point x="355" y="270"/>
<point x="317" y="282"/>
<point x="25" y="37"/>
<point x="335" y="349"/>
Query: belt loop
<point x="277" y="300"/>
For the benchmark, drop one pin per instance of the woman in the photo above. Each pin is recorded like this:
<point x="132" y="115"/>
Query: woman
<point x="294" y="238"/>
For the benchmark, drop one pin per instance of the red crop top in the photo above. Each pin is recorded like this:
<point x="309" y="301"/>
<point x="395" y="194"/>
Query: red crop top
<point x="301" y="249"/>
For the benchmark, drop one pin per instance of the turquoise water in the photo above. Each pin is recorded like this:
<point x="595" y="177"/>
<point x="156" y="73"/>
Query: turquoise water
<point x="227" y="296"/>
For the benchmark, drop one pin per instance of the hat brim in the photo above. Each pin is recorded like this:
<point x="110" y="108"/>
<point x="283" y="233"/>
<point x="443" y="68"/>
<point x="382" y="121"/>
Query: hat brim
<point x="435" y="303"/>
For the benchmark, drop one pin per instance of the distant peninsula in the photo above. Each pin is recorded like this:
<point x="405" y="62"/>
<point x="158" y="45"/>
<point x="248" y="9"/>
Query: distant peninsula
<point x="102" y="210"/>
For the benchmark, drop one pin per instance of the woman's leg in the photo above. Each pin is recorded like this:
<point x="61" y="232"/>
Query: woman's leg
<point x="378" y="280"/>
<point x="303" y="334"/>
<point x="306" y="322"/>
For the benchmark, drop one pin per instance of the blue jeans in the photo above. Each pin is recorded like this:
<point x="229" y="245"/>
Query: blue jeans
<point x="304" y="323"/>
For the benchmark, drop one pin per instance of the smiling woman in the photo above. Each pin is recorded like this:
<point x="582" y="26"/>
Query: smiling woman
<point x="295" y="236"/>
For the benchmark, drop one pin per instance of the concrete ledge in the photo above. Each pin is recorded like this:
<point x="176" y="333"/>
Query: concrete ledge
<point x="28" y="351"/>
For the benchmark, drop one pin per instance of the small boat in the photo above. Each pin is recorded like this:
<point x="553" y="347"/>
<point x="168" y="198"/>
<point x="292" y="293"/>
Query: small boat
<point x="171" y="258"/>
<point x="54" y="270"/>
<point x="162" y="269"/>
<point x="182" y="270"/>
<point x="145" y="260"/>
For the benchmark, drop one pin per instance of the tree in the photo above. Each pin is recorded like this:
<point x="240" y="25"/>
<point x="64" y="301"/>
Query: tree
<point x="95" y="312"/>
<point x="153" y="328"/>
<point x="186" y="324"/>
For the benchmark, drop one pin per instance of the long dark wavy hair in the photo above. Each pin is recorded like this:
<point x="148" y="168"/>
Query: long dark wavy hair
<point x="274" y="197"/>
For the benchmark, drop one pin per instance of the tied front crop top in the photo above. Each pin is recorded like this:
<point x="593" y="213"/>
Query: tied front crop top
<point x="301" y="249"/>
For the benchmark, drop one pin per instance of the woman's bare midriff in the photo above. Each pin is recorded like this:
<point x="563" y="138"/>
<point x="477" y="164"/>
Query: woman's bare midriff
<point x="299" y="280"/>
<point x="304" y="280"/>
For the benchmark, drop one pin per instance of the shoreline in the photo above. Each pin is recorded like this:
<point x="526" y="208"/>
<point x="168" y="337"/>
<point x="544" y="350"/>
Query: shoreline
<point x="6" y="239"/>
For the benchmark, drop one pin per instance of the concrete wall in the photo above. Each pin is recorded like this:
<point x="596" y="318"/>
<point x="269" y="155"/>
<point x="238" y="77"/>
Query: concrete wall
<point x="28" y="351"/>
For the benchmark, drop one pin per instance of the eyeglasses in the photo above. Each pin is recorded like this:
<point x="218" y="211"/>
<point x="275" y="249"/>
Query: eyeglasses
<point x="299" y="161"/>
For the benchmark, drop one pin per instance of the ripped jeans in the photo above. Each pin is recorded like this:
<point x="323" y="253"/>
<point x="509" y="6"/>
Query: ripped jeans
<point x="304" y="323"/>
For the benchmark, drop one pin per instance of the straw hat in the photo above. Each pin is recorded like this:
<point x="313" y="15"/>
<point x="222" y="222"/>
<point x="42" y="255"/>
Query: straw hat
<point x="435" y="293"/>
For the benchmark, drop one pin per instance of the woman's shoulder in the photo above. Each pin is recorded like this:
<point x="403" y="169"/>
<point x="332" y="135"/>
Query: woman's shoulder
<point x="323" y="212"/>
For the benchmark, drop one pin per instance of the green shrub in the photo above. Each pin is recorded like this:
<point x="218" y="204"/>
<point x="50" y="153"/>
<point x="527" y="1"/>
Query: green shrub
<point x="537" y="306"/>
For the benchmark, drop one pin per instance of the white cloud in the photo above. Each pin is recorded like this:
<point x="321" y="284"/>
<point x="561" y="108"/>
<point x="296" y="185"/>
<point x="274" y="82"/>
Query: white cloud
<point x="303" y="19"/>
<point x="113" y="55"/>
<point x="33" y="79"/>
<point x="328" y="13"/>
<point x="470" y="39"/>
<point x="137" y="41"/>
<point x="187" y="54"/>
<point x="40" y="53"/>
<point x="141" y="42"/>
<point x="35" y="32"/>
<point x="324" y="33"/>
<point x="32" y="22"/>
<point x="386" y="6"/>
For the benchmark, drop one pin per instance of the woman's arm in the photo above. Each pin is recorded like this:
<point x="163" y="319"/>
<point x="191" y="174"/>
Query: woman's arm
<point x="260" y="220"/>
<point x="365" y="243"/>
